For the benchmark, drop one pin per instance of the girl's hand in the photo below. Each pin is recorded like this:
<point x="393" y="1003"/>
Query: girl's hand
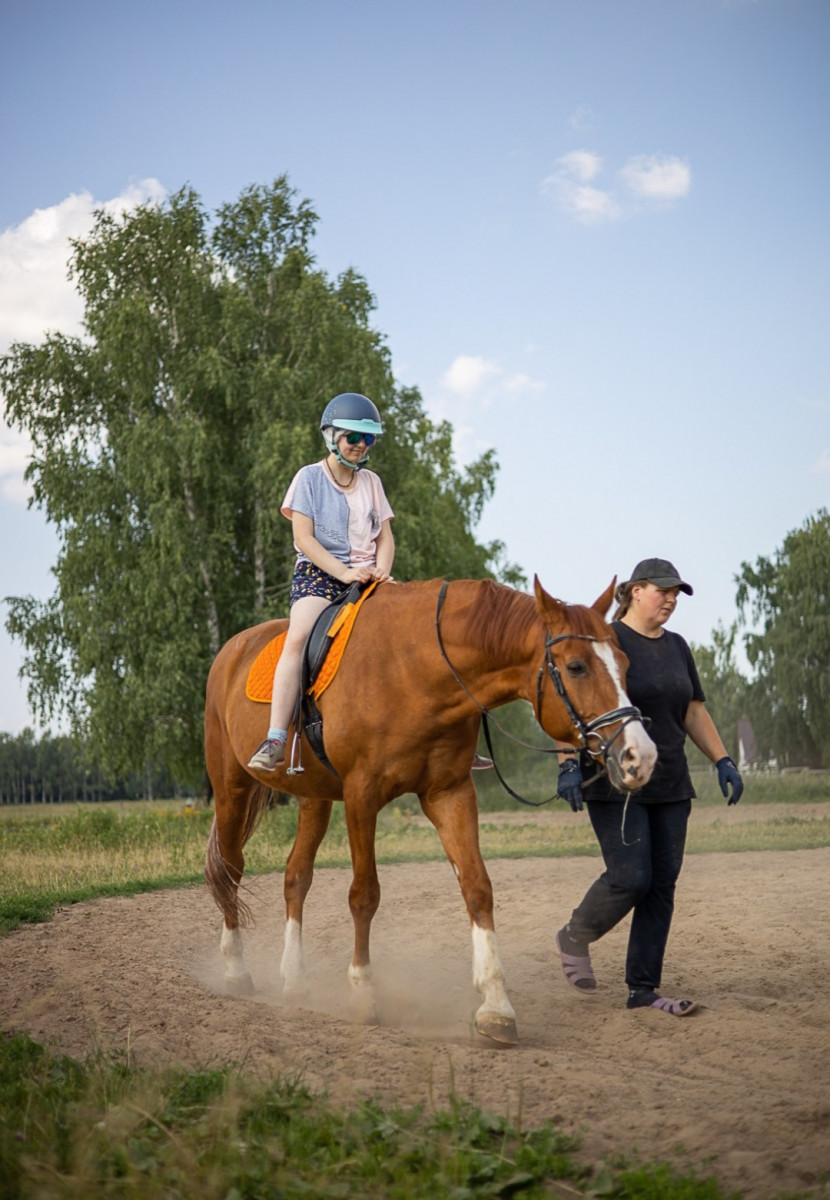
<point x="358" y="575"/>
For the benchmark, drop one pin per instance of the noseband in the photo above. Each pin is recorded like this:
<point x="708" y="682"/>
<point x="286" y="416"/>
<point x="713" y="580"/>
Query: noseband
<point x="591" y="739"/>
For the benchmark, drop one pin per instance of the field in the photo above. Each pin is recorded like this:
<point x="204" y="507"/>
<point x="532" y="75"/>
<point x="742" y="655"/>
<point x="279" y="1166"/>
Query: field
<point x="739" y="1091"/>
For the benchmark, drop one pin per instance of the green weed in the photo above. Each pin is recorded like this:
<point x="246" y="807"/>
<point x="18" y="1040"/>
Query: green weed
<point x="109" y="1129"/>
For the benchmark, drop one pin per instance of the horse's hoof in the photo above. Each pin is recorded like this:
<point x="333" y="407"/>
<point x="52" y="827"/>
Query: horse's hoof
<point x="364" y="1007"/>
<point x="498" y="1028"/>
<point x="239" y="985"/>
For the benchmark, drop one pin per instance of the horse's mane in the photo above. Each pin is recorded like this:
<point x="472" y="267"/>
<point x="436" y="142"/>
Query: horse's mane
<point x="500" y="614"/>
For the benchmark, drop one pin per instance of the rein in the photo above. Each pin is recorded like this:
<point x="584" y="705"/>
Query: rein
<point x="587" y="730"/>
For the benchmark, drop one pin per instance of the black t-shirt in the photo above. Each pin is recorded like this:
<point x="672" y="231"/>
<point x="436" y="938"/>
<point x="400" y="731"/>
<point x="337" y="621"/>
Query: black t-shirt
<point x="662" y="681"/>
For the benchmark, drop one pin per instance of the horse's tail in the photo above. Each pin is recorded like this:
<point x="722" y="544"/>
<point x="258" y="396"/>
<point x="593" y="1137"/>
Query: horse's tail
<point x="223" y="884"/>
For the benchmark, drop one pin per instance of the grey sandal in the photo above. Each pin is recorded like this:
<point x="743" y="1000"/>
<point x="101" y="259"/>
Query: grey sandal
<point x="677" y="1008"/>
<point x="577" y="969"/>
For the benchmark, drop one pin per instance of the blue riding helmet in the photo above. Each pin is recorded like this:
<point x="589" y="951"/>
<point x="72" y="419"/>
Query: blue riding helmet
<point x="349" y="412"/>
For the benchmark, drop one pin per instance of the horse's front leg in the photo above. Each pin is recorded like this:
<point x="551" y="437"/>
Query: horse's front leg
<point x="454" y="813"/>
<point x="312" y="822"/>
<point x="364" y="898"/>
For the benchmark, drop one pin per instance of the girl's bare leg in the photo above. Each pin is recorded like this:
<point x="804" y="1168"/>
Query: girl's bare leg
<point x="304" y="613"/>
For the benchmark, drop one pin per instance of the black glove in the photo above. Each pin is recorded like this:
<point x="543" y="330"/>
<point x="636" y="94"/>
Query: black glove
<point x="569" y="785"/>
<point x="729" y="773"/>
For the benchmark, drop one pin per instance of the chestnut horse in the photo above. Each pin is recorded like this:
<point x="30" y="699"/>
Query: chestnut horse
<point x="402" y="715"/>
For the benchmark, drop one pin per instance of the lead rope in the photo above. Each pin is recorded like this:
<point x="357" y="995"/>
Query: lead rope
<point x="622" y="823"/>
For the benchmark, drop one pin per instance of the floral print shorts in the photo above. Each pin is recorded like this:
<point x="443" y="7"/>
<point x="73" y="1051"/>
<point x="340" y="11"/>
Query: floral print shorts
<point x="309" y="580"/>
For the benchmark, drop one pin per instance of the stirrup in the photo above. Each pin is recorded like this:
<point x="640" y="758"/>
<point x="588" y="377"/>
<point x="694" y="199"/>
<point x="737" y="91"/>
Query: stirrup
<point x="296" y="767"/>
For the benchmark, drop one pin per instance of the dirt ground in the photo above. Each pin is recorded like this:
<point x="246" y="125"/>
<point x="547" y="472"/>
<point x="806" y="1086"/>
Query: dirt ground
<point x="741" y="1089"/>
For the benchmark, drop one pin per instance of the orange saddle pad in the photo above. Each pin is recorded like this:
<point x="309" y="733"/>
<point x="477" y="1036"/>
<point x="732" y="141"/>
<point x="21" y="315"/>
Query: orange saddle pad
<point x="261" y="675"/>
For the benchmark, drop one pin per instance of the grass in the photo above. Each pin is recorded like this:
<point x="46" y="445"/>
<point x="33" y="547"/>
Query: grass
<point x="62" y="854"/>
<point x="109" y="1129"/>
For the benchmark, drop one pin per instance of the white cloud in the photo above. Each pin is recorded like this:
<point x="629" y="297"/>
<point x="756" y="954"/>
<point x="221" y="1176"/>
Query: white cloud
<point x="467" y="374"/>
<point x="570" y="185"/>
<point x="480" y="382"/>
<point x="36" y="296"/>
<point x="822" y="464"/>
<point x="590" y="205"/>
<point x="582" y="165"/>
<point x="574" y="184"/>
<point x="476" y="394"/>
<point x="657" y="178"/>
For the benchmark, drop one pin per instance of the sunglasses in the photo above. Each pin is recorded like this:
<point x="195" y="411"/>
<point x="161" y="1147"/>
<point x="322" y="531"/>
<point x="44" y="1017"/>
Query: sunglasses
<point x="367" y="438"/>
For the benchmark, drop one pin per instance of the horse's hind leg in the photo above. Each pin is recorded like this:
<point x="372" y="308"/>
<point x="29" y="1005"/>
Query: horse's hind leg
<point x="455" y="815"/>
<point x="237" y="803"/>
<point x="312" y="823"/>
<point x="223" y="870"/>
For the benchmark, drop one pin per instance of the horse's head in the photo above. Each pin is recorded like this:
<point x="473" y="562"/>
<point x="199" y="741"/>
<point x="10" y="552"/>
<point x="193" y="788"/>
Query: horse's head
<point x="581" y="696"/>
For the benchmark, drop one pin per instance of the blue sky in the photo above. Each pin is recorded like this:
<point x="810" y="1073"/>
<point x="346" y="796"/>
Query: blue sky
<point x="597" y="233"/>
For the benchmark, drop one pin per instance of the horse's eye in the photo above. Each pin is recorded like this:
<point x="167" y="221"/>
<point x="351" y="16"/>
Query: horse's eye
<point x="576" y="668"/>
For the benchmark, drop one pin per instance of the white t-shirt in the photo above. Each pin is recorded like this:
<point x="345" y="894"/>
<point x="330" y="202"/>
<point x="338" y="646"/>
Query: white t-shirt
<point x="347" y="521"/>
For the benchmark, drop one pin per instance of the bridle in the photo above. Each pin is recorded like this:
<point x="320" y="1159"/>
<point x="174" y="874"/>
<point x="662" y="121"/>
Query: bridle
<point x="587" y="730"/>
<point x="590" y="738"/>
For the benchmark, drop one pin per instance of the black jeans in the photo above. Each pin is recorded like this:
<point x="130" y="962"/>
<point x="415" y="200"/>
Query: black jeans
<point x="640" y="874"/>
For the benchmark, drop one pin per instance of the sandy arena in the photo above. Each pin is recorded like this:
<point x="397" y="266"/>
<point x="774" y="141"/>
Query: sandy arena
<point x="741" y="1089"/>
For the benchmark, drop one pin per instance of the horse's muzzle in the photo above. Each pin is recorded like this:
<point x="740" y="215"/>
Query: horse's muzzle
<point x="631" y="758"/>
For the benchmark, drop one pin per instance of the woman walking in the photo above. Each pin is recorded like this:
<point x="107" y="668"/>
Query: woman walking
<point x="643" y="839"/>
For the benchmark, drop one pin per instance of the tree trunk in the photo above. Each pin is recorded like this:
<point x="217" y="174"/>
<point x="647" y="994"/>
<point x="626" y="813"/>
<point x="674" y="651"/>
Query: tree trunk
<point x="214" y="631"/>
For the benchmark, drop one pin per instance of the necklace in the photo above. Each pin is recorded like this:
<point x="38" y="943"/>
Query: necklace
<point x="334" y="479"/>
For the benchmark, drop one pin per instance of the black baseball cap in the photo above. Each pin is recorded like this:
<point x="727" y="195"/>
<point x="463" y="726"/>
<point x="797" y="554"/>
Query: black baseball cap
<point x="661" y="573"/>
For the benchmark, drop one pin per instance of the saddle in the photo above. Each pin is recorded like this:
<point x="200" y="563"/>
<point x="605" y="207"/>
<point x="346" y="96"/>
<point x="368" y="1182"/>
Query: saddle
<point x="321" y="657"/>
<point x="338" y="618"/>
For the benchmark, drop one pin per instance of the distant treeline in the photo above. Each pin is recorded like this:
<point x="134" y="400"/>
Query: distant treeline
<point x="58" y="770"/>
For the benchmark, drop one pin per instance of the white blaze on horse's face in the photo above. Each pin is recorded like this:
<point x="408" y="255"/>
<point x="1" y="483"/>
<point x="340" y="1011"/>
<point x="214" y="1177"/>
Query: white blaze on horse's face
<point x="633" y="754"/>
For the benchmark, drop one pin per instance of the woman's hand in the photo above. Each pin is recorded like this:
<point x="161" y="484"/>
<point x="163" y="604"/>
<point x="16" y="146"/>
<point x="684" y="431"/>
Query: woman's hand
<point x="569" y="785"/>
<point x="730" y="776"/>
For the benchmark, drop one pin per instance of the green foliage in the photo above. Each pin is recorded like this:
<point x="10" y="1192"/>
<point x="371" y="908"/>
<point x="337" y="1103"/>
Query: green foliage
<point x="657" y="1181"/>
<point x="788" y="598"/>
<point x="108" y="1128"/>
<point x="725" y="688"/>
<point x="57" y="770"/>
<point x="163" y="444"/>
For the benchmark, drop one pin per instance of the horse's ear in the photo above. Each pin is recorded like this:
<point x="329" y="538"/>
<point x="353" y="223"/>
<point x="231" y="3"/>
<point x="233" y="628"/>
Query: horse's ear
<point x="548" y="607"/>
<point x="603" y="602"/>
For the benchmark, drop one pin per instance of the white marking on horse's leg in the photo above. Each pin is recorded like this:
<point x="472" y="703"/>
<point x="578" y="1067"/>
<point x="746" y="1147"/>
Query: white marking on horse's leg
<point x="360" y="976"/>
<point x="236" y="973"/>
<point x="363" y="1000"/>
<point x="292" y="966"/>
<point x="488" y="974"/>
